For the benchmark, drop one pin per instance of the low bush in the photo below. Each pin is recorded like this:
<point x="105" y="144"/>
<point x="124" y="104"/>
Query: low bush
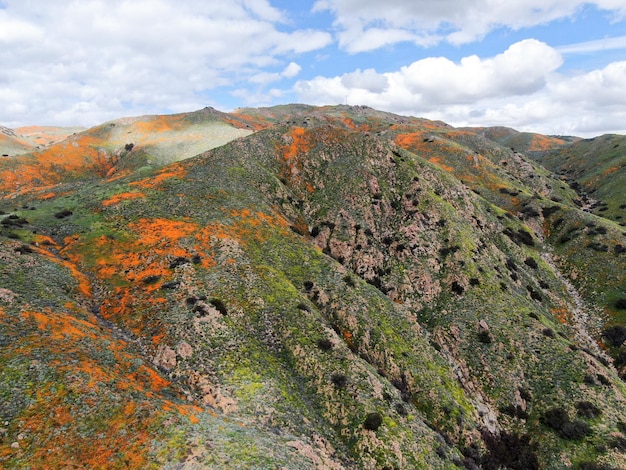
<point x="373" y="421"/>
<point x="575" y="430"/>
<point x="615" y="335"/>
<point x="558" y="419"/>
<point x="63" y="214"/>
<point x="325" y="344"/>
<point x="531" y="262"/>
<point x="339" y="380"/>
<point x="586" y="409"/>
<point x="219" y="305"/>
<point x="457" y="288"/>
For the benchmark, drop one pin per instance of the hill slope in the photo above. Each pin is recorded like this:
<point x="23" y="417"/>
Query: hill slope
<point x="597" y="168"/>
<point x="342" y="288"/>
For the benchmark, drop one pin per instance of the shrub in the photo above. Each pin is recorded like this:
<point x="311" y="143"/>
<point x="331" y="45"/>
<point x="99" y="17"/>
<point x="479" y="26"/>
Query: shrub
<point x="530" y="211"/>
<point x="621" y="303"/>
<point x="598" y="247"/>
<point x="615" y="335"/>
<point x="150" y="279"/>
<point x="484" y="337"/>
<point x="589" y="379"/>
<point x="181" y="260"/>
<point x="558" y="419"/>
<point x="586" y="409"/>
<point x="525" y="394"/>
<point x="575" y="430"/>
<point x="170" y="285"/>
<point x="531" y="262"/>
<point x="533" y="293"/>
<point x="511" y="451"/>
<point x="520" y="237"/>
<point x="510" y="264"/>
<point x="619" y="443"/>
<point x="620" y="358"/>
<point x="373" y="421"/>
<point x="515" y="411"/>
<point x="548" y="211"/>
<point x="14" y="221"/>
<point x="219" y="305"/>
<point x="325" y="344"/>
<point x="457" y="288"/>
<point x="339" y="380"/>
<point x="304" y="307"/>
<point x="63" y="214"/>
<point x="555" y="418"/>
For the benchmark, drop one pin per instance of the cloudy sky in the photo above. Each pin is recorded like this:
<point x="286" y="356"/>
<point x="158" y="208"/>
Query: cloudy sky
<point x="550" y="66"/>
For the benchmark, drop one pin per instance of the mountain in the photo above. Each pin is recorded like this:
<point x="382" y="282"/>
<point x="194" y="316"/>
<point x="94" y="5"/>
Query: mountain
<point x="597" y="169"/>
<point x="26" y="139"/>
<point x="306" y="287"/>
<point x="11" y="143"/>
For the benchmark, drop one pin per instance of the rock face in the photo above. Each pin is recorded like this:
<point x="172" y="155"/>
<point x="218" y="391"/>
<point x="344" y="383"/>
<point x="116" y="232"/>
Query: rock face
<point x="342" y="288"/>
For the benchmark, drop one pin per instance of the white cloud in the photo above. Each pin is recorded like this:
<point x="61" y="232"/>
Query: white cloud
<point x="431" y="82"/>
<point x="367" y="80"/>
<point x="456" y="21"/>
<point x="520" y="88"/>
<point x="99" y="59"/>
<point x="291" y="70"/>
<point x="597" y="45"/>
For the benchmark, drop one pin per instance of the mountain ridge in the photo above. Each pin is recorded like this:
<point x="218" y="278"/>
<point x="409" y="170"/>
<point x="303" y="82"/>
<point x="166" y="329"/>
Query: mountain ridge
<point x="356" y="289"/>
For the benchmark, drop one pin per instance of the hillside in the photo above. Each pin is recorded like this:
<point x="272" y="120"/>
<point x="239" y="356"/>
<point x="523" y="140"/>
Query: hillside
<point x="597" y="169"/>
<point x="306" y="287"/>
<point x="12" y="143"/>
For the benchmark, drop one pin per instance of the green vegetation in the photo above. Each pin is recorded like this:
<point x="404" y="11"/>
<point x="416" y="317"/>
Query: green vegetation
<point x="342" y="288"/>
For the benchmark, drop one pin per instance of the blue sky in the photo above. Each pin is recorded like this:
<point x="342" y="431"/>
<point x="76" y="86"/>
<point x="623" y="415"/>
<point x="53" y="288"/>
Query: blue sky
<point x="549" y="66"/>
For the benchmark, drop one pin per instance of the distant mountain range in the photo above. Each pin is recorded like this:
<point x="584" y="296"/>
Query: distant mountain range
<point x="309" y="287"/>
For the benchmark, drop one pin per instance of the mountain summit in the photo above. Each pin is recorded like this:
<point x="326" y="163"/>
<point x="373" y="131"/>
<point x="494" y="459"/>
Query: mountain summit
<point x="312" y="288"/>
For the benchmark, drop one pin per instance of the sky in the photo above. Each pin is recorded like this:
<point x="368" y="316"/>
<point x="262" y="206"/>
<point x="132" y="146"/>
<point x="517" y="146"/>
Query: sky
<point x="548" y="66"/>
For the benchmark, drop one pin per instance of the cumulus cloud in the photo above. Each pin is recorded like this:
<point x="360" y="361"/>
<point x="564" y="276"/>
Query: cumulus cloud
<point x="456" y="21"/>
<point x="291" y="70"/>
<point x="521" y="88"/>
<point x="434" y="81"/>
<point x="98" y="59"/>
<point x="367" y="80"/>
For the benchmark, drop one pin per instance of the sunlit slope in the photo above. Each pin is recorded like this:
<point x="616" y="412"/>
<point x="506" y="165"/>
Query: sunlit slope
<point x="119" y="147"/>
<point x="12" y="143"/>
